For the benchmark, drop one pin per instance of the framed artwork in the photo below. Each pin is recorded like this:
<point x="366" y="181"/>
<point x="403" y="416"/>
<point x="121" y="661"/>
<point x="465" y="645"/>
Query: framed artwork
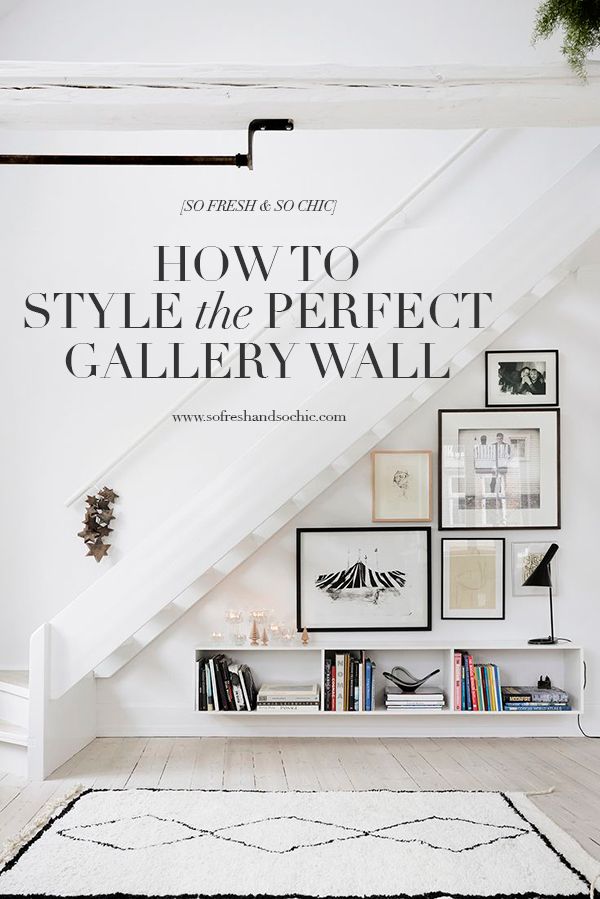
<point x="473" y="578"/>
<point x="499" y="469"/>
<point x="363" y="579"/>
<point x="401" y="485"/>
<point x="525" y="559"/>
<point x="521" y="378"/>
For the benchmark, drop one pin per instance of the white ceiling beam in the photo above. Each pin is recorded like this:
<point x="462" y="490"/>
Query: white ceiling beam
<point x="128" y="96"/>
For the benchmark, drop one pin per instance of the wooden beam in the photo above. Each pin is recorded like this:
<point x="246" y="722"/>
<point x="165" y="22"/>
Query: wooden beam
<point x="78" y="96"/>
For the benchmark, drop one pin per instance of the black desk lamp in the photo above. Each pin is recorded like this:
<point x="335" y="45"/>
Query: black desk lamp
<point x="541" y="577"/>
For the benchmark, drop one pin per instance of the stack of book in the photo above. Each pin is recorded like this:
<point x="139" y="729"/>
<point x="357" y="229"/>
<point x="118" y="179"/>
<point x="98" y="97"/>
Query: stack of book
<point x="535" y="699"/>
<point x="397" y="701"/>
<point x="348" y="680"/>
<point x="223" y="685"/>
<point x="476" y="686"/>
<point x="288" y="698"/>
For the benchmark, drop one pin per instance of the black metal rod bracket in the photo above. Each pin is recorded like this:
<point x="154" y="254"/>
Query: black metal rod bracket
<point x="241" y="160"/>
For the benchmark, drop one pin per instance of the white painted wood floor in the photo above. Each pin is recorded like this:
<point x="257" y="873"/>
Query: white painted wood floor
<point x="571" y="765"/>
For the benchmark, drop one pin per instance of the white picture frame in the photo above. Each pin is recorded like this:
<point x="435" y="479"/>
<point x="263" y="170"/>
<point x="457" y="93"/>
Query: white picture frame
<point x="533" y="551"/>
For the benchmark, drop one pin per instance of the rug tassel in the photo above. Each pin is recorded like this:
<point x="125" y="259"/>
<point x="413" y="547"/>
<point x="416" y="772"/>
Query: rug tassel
<point x="593" y="886"/>
<point x="541" y="792"/>
<point x="10" y="848"/>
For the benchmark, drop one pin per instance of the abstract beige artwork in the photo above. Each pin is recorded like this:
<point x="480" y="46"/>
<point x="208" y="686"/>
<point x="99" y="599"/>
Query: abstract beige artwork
<point x="473" y="578"/>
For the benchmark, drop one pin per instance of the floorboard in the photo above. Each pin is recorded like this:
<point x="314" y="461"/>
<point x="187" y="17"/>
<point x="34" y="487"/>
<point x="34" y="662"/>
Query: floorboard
<point x="568" y="768"/>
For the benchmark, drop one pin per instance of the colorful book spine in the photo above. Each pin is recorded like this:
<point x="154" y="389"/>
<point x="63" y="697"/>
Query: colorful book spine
<point x="457" y="681"/>
<point x="339" y="685"/>
<point x="469" y="705"/>
<point x="369" y="686"/>
<point x="472" y="687"/>
<point x="498" y="688"/>
<point x="333" y="687"/>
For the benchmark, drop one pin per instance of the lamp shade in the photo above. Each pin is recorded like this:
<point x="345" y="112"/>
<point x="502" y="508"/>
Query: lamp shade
<point x="540" y="577"/>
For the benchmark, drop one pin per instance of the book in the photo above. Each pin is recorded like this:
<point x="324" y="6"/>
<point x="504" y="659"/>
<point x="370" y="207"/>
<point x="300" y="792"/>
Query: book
<point x="534" y="694"/>
<point x="230" y="701"/>
<point x="295" y="709"/>
<point x="203" y="690"/>
<point x="262" y="704"/>
<point x="413" y="706"/>
<point x="238" y="695"/>
<point x="469" y="705"/>
<point x="248" y="687"/>
<point x="537" y="707"/>
<point x="472" y="689"/>
<point x="420" y="695"/>
<point x="210" y="703"/>
<point x="216" y="700"/>
<point x="327" y="685"/>
<point x="339" y="677"/>
<point x="284" y="692"/>
<point x="369" y="685"/>
<point x="197" y="686"/>
<point x="497" y="687"/>
<point x="346" y="682"/>
<point x="457" y="680"/>
<point x="333" y="687"/>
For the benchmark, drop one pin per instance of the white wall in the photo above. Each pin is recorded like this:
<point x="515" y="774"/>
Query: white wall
<point x="390" y="32"/>
<point x="569" y="320"/>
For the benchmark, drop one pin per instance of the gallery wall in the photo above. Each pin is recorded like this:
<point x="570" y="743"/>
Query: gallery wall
<point x="86" y="231"/>
<point x="569" y="320"/>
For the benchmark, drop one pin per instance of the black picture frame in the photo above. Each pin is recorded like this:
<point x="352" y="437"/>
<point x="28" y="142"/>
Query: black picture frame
<point x="444" y="617"/>
<point x="535" y="403"/>
<point x="554" y="411"/>
<point x="299" y="621"/>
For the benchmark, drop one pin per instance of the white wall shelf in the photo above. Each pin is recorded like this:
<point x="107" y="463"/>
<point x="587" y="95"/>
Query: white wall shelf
<point x="520" y="664"/>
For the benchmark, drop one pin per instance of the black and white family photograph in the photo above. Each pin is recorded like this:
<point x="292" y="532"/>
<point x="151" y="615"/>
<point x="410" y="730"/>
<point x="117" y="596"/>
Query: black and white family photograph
<point x="521" y="378"/>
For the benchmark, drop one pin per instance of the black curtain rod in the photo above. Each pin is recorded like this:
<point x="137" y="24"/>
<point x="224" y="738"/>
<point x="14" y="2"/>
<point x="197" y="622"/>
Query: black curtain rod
<point x="241" y="160"/>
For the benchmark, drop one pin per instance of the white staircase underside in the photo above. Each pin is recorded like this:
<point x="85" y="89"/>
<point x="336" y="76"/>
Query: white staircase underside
<point x="14" y="715"/>
<point x="187" y="555"/>
<point x="15" y="682"/>
<point x="12" y="733"/>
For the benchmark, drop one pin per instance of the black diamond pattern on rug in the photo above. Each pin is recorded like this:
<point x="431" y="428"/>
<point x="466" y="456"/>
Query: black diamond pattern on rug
<point x="282" y="834"/>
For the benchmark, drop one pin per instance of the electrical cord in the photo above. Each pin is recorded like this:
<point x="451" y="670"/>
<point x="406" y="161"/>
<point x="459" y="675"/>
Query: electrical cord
<point x="589" y="736"/>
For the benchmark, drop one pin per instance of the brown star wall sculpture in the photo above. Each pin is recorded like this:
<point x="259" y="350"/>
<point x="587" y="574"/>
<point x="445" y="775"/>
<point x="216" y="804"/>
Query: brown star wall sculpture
<point x="98" y="515"/>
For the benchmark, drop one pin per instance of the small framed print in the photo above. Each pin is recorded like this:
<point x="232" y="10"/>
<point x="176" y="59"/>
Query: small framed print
<point x="473" y="578"/>
<point x="521" y="378"/>
<point x="499" y="469"/>
<point x="402" y="485"/>
<point x="363" y="579"/>
<point x="525" y="559"/>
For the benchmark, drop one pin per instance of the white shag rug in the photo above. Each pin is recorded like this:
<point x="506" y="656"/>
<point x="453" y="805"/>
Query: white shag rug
<point x="375" y="843"/>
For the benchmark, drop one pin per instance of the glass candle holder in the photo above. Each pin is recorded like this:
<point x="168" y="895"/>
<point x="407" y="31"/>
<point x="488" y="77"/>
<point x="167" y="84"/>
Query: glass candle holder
<point x="234" y="618"/>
